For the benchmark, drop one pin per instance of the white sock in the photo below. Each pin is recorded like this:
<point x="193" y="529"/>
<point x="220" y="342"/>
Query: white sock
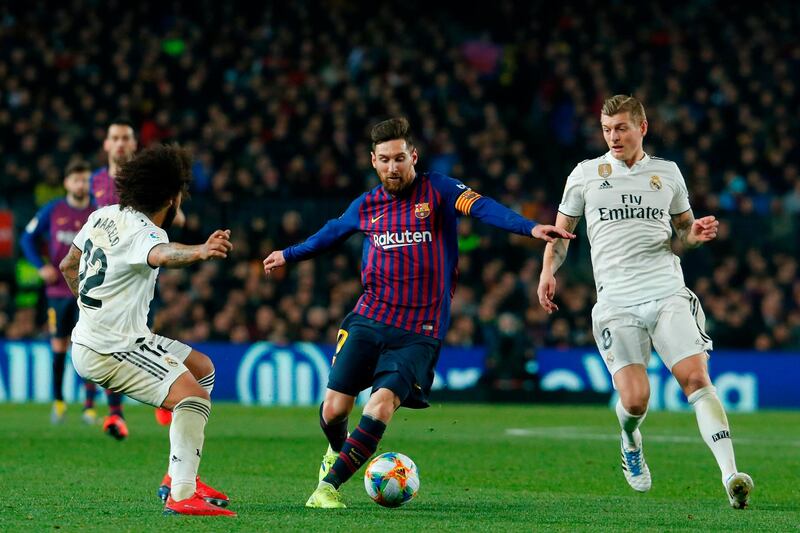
<point x="714" y="428"/>
<point x="629" y="423"/>
<point x="208" y="382"/>
<point x="186" y="435"/>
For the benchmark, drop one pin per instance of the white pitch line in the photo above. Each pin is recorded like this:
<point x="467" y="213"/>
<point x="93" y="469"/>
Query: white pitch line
<point x="574" y="433"/>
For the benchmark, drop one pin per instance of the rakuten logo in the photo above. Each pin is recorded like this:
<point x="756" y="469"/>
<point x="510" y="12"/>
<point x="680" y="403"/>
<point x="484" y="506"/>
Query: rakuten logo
<point x="66" y="237"/>
<point x="388" y="240"/>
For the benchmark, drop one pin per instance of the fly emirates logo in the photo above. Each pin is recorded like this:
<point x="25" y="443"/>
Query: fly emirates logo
<point x="397" y="239"/>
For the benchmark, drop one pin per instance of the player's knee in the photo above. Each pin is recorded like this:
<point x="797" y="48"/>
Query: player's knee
<point x="334" y="411"/>
<point x="192" y="392"/>
<point x="635" y="400"/>
<point x="59" y="344"/>
<point x="636" y="408"/>
<point x="199" y="393"/>
<point x="382" y="404"/>
<point x="695" y="381"/>
<point x="184" y="387"/>
<point x="635" y="404"/>
<point x="201" y="365"/>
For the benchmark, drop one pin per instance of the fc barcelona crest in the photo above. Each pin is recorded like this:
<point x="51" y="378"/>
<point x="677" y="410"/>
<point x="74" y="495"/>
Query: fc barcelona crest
<point x="604" y="170"/>
<point x="422" y="210"/>
<point x="655" y="183"/>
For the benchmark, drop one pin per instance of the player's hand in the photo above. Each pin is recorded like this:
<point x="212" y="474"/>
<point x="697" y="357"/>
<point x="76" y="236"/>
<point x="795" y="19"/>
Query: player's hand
<point x="49" y="274"/>
<point x="274" y="260"/>
<point x="546" y="292"/>
<point x="705" y="229"/>
<point x="217" y="246"/>
<point x="550" y="233"/>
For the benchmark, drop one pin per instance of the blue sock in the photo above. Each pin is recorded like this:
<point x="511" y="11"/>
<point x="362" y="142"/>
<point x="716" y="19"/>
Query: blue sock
<point x="357" y="449"/>
<point x="335" y="432"/>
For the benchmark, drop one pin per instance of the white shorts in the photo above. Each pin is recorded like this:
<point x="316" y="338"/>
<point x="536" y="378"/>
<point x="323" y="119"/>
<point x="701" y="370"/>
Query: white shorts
<point x="145" y="373"/>
<point x="674" y="326"/>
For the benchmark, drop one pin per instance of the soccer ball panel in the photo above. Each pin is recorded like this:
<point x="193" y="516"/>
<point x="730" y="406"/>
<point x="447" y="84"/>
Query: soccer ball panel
<point x="391" y="479"/>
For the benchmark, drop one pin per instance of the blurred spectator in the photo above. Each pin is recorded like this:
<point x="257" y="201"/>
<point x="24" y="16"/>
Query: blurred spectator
<point x="276" y="101"/>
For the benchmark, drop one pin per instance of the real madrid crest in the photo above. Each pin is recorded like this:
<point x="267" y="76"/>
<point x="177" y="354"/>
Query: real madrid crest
<point x="655" y="183"/>
<point x="604" y="170"/>
<point x="422" y="210"/>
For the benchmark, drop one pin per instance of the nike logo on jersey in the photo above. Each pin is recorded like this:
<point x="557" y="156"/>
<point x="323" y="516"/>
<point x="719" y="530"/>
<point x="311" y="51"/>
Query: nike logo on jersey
<point x="377" y="218"/>
<point x="605" y="185"/>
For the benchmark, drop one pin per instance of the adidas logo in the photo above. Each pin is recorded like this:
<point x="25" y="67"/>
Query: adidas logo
<point x="605" y="185"/>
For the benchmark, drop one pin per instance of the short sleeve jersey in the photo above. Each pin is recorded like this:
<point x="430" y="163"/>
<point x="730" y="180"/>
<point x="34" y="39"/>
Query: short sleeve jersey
<point x="116" y="282"/>
<point x="628" y="213"/>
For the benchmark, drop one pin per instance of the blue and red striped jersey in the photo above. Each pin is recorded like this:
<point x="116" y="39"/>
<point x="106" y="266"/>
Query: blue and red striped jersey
<point x="102" y="189"/>
<point x="410" y="255"/>
<point x="57" y="223"/>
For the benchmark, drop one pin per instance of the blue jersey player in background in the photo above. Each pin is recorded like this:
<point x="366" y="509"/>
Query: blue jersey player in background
<point x="56" y="224"/>
<point x="391" y="340"/>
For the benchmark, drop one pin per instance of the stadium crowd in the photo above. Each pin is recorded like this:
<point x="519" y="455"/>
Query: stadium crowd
<point x="276" y="104"/>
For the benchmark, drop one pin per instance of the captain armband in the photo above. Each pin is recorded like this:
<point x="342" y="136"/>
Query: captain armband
<point x="465" y="201"/>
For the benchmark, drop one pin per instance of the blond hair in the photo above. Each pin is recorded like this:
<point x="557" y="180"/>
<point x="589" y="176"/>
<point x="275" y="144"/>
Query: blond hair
<point x="622" y="103"/>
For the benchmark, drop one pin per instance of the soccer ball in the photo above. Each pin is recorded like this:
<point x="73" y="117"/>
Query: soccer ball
<point x="391" y="479"/>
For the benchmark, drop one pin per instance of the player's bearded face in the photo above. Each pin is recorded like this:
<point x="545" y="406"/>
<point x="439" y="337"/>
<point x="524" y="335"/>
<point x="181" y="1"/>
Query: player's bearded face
<point x="394" y="162"/>
<point x="120" y="144"/>
<point x="623" y="135"/>
<point x="77" y="185"/>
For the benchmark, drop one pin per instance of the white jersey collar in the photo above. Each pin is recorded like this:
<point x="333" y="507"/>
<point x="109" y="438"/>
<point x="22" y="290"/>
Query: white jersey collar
<point x="621" y="164"/>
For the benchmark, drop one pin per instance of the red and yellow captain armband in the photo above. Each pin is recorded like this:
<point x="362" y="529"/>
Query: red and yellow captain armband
<point x="465" y="201"/>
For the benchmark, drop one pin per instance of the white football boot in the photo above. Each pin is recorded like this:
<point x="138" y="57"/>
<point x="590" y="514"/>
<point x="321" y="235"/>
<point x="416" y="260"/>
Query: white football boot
<point x="738" y="486"/>
<point x="634" y="466"/>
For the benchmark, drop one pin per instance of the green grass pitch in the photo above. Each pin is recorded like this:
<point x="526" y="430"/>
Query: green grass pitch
<point x="482" y="468"/>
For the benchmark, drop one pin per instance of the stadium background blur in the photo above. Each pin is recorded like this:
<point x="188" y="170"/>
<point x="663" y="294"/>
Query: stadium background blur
<point x="277" y="102"/>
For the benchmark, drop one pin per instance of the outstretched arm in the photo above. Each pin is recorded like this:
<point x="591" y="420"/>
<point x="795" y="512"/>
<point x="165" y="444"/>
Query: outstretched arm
<point x="554" y="254"/>
<point x="694" y="233"/>
<point x="176" y="255"/>
<point x="332" y="233"/>
<point x="492" y="212"/>
<point x="69" y="268"/>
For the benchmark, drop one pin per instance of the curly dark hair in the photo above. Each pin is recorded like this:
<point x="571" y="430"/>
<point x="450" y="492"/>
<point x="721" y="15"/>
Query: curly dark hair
<point x="390" y="130"/>
<point x="155" y="175"/>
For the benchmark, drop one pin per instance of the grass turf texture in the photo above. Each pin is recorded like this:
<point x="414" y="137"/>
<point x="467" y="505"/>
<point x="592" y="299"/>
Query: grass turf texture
<point x="492" y="468"/>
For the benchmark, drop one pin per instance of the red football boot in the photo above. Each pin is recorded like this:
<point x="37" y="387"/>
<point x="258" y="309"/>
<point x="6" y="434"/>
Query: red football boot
<point x="209" y="494"/>
<point x="195" y="505"/>
<point x="163" y="416"/>
<point x="116" y="427"/>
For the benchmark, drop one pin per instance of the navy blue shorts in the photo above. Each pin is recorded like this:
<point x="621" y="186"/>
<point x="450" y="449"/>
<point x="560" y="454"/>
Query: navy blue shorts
<point x="62" y="315"/>
<point x="372" y="354"/>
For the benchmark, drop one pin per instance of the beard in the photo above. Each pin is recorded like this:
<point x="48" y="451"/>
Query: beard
<point x="396" y="186"/>
<point x="121" y="160"/>
<point x="169" y="216"/>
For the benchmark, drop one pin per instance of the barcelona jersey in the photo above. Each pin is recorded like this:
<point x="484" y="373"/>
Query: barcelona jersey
<point x="410" y="255"/>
